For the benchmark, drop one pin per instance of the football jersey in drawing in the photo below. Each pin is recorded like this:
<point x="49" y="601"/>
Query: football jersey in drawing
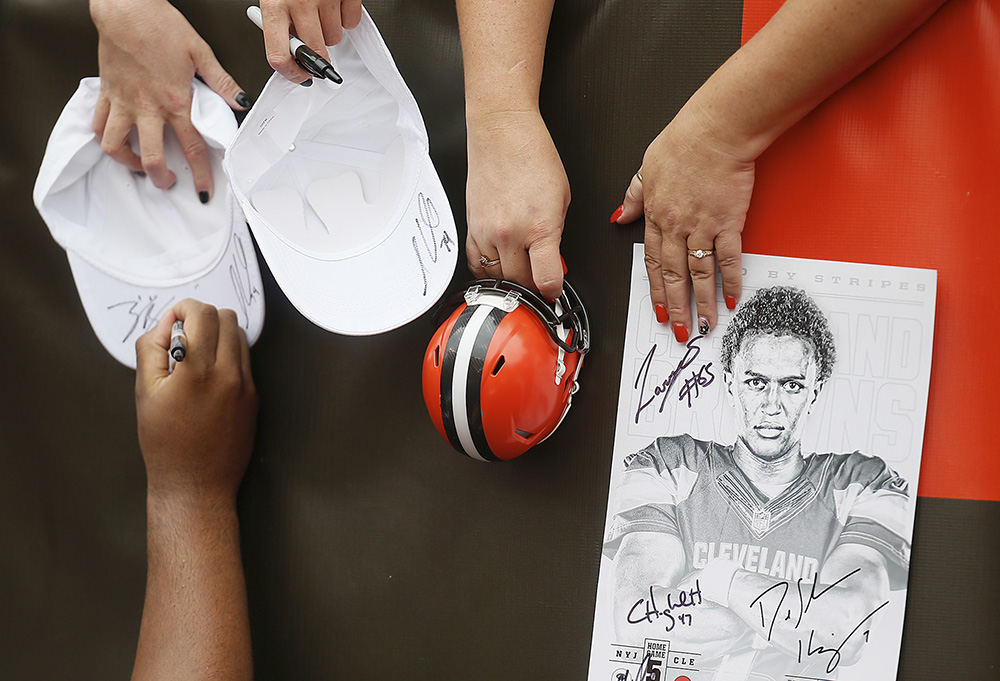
<point x="695" y="491"/>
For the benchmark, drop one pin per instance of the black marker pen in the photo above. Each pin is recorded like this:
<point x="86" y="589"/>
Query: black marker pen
<point x="310" y="62"/>
<point x="178" y="341"/>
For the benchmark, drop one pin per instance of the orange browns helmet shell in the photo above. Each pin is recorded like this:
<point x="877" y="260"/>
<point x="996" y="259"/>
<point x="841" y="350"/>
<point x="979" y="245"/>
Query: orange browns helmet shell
<point x="499" y="374"/>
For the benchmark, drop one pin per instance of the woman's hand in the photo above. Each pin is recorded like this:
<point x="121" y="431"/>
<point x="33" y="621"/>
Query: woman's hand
<point x="148" y="54"/>
<point x="516" y="197"/>
<point x="694" y="191"/>
<point x="697" y="175"/>
<point x="317" y="23"/>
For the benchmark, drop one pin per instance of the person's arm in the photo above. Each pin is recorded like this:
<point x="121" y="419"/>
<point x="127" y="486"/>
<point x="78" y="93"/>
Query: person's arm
<point x="649" y="567"/>
<point x="517" y="192"/>
<point x="148" y="54"/>
<point x="829" y="621"/>
<point x="698" y="174"/>
<point x="196" y="428"/>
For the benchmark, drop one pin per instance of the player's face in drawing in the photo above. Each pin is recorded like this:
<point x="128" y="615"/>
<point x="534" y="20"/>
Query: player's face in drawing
<point x="773" y="384"/>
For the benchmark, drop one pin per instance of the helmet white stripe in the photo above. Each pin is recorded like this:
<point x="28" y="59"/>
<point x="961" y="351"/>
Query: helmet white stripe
<point x="460" y="379"/>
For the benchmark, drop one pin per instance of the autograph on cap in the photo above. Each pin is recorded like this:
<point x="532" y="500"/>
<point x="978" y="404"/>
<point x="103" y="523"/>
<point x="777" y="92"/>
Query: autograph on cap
<point x="428" y="217"/>
<point x="144" y="310"/>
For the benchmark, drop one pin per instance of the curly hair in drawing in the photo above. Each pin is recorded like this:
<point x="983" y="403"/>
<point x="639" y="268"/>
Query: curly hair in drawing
<point x="781" y="311"/>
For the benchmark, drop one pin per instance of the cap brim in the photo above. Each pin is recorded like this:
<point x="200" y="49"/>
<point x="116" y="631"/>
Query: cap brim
<point x="383" y="288"/>
<point x="120" y="312"/>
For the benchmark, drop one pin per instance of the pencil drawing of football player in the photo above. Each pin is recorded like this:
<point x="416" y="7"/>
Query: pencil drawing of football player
<point x="765" y="559"/>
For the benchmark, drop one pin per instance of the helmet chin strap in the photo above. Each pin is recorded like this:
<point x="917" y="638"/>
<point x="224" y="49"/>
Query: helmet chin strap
<point x="563" y="334"/>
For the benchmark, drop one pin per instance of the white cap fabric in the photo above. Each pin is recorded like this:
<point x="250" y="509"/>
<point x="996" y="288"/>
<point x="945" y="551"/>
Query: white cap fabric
<point x="340" y="192"/>
<point x="135" y="250"/>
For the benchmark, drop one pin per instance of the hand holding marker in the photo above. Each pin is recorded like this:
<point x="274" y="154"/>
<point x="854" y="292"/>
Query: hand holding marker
<point x="310" y="62"/>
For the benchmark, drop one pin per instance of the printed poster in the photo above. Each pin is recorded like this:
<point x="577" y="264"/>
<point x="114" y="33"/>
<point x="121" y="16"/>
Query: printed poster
<point x="764" y="477"/>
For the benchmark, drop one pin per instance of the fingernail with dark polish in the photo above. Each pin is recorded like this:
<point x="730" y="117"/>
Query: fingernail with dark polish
<point x="703" y="326"/>
<point x="731" y="302"/>
<point x="661" y="313"/>
<point x="139" y="173"/>
<point x="617" y="214"/>
<point x="203" y="196"/>
<point x="243" y="99"/>
<point x="680" y="332"/>
<point x="306" y="83"/>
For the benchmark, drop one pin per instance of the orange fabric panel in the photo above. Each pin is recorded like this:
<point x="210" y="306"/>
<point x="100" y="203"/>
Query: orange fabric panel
<point x="902" y="167"/>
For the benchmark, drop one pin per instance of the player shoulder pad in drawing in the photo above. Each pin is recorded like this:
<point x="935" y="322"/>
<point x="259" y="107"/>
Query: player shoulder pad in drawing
<point x="872" y="503"/>
<point x="656" y="479"/>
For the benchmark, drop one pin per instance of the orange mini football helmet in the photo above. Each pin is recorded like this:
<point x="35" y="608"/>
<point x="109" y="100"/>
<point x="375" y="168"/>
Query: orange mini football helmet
<point x="500" y="373"/>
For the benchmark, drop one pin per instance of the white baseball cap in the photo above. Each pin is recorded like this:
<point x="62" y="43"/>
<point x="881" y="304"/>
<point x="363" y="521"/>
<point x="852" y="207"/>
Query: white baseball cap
<point x="135" y="250"/>
<point x="340" y="192"/>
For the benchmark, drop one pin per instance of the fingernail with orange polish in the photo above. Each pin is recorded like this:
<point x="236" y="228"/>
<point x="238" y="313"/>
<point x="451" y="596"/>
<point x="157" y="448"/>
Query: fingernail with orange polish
<point x="731" y="302"/>
<point x="680" y="332"/>
<point x="563" y="261"/>
<point x="618" y="213"/>
<point x="661" y="313"/>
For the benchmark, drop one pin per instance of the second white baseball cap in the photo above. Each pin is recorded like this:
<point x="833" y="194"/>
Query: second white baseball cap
<point x="338" y="187"/>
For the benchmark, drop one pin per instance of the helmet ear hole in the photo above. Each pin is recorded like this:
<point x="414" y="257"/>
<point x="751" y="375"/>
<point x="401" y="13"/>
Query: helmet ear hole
<point x="525" y="434"/>
<point x="498" y="365"/>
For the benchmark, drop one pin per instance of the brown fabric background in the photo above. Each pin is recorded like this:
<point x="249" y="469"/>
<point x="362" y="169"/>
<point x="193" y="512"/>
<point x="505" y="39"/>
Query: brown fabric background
<point x="372" y="550"/>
